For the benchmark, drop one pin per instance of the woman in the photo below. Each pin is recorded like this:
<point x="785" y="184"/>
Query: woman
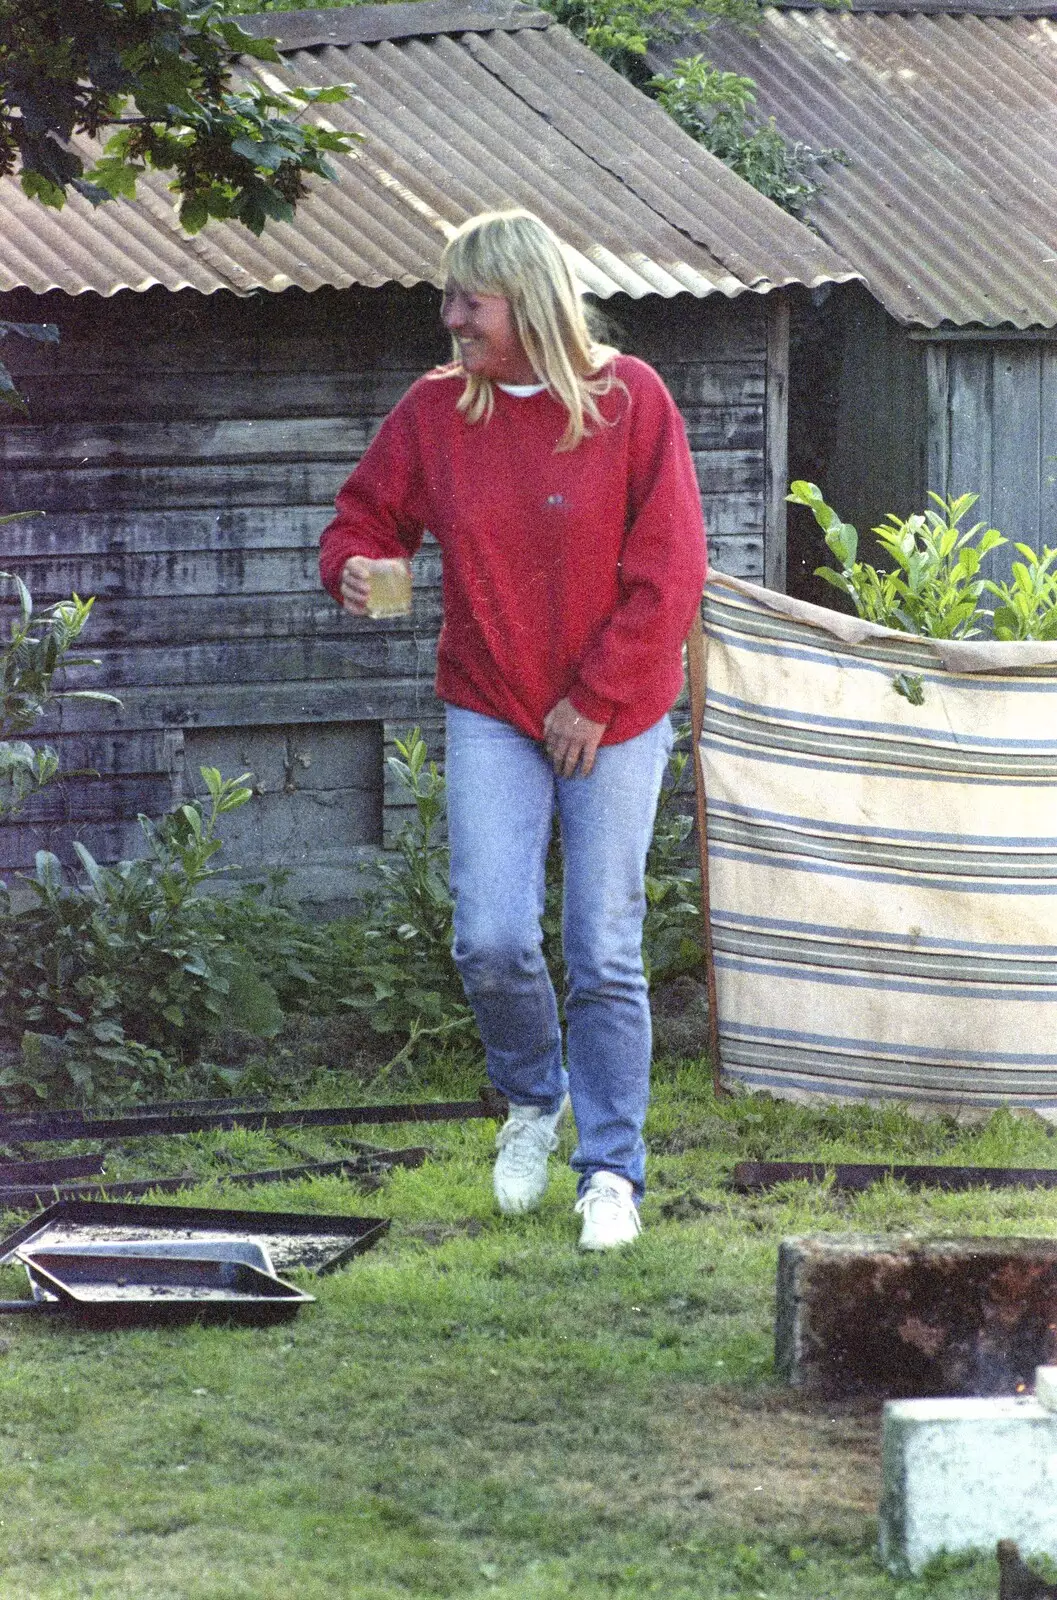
<point x="555" y="475"/>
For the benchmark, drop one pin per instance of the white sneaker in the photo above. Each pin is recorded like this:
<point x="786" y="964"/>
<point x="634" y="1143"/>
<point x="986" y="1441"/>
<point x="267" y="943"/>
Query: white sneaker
<point x="524" y="1142"/>
<point x="611" y="1217"/>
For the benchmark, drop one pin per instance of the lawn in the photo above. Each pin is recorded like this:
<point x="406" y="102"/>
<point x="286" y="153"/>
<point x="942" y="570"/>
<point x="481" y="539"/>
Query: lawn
<point x="475" y="1409"/>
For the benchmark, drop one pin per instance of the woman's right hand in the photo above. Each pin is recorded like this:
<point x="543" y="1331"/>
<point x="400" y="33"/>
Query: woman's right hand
<point x="355" y="585"/>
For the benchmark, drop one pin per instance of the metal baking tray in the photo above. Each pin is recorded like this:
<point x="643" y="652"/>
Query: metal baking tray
<point x="116" y="1290"/>
<point x="292" y="1238"/>
<point x="251" y="1251"/>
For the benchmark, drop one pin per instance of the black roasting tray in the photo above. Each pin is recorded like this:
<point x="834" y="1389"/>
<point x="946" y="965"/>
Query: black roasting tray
<point x="121" y="1289"/>
<point x="292" y="1238"/>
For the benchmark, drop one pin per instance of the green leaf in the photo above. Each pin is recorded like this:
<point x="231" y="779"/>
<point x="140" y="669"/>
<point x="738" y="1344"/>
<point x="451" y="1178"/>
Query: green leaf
<point x="38" y="187"/>
<point x="91" y="866"/>
<point x="252" y="1003"/>
<point x="91" y="192"/>
<point x="247" y="44"/>
<point x="116" y="175"/>
<point x="332" y="95"/>
<point x="837" y="579"/>
<point x="911" y="687"/>
<point x="264" y="155"/>
<point x="194" y="213"/>
<point x="48" y="869"/>
<point x="91" y="694"/>
<point x="1006" y="623"/>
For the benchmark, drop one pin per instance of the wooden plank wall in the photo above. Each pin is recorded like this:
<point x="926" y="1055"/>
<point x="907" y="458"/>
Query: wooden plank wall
<point x="186" y="451"/>
<point x="713" y="356"/>
<point x="856" y="423"/>
<point x="993" y="432"/>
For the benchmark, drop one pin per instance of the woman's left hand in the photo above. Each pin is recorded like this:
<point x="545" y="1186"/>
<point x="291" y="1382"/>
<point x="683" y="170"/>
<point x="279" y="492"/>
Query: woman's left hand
<point x="571" y="740"/>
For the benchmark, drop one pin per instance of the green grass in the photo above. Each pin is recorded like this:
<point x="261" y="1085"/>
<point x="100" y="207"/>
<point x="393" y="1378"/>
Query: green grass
<point x="475" y="1409"/>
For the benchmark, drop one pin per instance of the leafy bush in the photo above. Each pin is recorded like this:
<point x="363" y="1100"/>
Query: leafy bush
<point x="1028" y="608"/>
<point x="38" y="646"/>
<point x="113" y="984"/>
<point x="712" y="106"/>
<point x="391" y="963"/>
<point x="301" y="962"/>
<point x="716" y="109"/>
<point x="621" y="31"/>
<point x="401" y="948"/>
<point x="105" y="982"/>
<point x="160" y="72"/>
<point x="671" y="936"/>
<point x="934" y="587"/>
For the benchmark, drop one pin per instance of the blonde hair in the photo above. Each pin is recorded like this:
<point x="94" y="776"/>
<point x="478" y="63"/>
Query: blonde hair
<point x="514" y="254"/>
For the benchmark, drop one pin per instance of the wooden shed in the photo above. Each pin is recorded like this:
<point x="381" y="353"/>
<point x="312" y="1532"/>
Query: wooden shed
<point x="941" y="372"/>
<point x="209" y="396"/>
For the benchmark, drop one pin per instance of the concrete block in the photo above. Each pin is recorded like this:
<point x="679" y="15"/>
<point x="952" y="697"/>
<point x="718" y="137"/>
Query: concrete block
<point x="958" y="1475"/>
<point x="1046" y="1387"/>
<point x="900" y="1317"/>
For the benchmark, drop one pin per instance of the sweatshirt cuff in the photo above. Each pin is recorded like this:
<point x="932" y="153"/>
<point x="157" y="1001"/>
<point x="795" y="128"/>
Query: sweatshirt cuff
<point x="591" y="706"/>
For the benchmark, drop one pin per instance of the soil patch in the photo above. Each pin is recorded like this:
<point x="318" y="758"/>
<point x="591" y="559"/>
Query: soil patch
<point x="438" y="1233"/>
<point x="776" y="1462"/>
<point x="307" y="1044"/>
<point x="773" y="1463"/>
<point x="679" y="1009"/>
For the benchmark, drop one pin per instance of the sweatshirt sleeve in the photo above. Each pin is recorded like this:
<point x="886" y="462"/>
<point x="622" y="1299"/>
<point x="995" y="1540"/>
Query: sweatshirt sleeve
<point x="381" y="506"/>
<point x="663" y="562"/>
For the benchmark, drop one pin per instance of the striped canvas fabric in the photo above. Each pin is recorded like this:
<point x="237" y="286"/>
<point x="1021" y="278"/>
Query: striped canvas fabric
<point x="883" y="876"/>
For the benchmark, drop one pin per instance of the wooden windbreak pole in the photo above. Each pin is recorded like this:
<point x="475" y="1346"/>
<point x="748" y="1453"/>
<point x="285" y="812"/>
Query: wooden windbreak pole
<point x="697" y="657"/>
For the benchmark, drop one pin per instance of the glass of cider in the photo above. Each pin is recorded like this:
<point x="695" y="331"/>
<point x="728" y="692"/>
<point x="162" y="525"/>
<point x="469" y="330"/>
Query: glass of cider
<point x="389" y="589"/>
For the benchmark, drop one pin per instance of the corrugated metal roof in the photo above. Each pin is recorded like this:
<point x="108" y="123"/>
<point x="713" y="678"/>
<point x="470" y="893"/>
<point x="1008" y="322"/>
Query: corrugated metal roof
<point x="463" y="110"/>
<point x="949" y="202"/>
<point x="976" y="8"/>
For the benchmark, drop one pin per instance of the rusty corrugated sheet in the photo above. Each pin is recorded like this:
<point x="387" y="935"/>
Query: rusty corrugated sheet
<point x="494" y="112"/>
<point x="948" y="205"/>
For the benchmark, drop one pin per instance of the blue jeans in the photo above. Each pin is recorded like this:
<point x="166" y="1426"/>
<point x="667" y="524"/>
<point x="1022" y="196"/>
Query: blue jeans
<point x="502" y="795"/>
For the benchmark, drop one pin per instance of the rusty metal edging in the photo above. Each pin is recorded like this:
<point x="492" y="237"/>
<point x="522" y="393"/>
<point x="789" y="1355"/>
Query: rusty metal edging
<point x="56" y="1127"/>
<point x="49" y="1171"/>
<point x="14" y="1198"/>
<point x="753" y="1176"/>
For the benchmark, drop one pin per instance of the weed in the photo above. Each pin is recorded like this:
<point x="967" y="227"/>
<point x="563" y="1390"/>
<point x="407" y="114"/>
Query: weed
<point x="401" y="942"/>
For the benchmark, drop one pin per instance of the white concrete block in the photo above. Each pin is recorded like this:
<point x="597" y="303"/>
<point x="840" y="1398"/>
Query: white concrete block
<point x="1046" y="1387"/>
<point x="959" y="1475"/>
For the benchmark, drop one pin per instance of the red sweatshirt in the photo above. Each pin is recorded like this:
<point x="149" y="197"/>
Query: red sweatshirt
<point x="565" y="572"/>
